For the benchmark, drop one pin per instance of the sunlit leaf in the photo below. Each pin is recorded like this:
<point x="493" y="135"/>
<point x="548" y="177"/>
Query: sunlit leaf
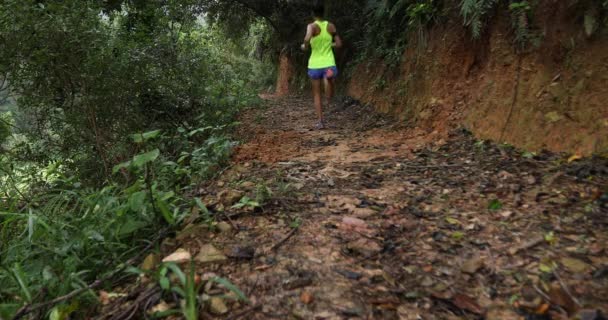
<point x="143" y="137"/>
<point x="142" y="159"/>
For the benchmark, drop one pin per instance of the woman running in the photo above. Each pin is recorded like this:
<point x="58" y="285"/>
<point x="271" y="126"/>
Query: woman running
<point x="321" y="37"/>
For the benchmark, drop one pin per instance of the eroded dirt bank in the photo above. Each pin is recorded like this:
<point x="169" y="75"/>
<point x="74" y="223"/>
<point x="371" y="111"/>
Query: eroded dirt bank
<point x="373" y="220"/>
<point x="553" y="96"/>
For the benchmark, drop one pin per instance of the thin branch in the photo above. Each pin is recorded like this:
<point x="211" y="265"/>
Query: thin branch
<point x="565" y="287"/>
<point x="278" y="244"/>
<point x="259" y="13"/>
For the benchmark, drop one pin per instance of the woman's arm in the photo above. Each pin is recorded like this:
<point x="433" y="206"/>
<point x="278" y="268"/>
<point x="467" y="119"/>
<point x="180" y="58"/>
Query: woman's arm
<point x="309" y="35"/>
<point x="337" y="43"/>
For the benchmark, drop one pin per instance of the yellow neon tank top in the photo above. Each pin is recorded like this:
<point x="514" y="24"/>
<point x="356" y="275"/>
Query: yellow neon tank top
<point x="322" y="55"/>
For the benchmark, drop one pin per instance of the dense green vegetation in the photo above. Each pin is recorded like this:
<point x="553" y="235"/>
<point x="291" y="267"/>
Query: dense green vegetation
<point x="123" y="108"/>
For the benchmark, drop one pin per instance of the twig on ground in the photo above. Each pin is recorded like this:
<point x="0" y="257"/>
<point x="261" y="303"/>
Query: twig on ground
<point x="405" y="166"/>
<point x="565" y="287"/>
<point x="530" y="244"/>
<point x="289" y="235"/>
<point x="548" y="299"/>
<point x="244" y="312"/>
<point x="234" y="226"/>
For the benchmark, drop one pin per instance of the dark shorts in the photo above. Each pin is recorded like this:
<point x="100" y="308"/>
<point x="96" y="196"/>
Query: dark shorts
<point x="323" y="73"/>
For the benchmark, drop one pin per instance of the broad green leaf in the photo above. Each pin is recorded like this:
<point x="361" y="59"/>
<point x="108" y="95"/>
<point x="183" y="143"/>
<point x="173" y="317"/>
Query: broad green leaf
<point x="130" y="226"/>
<point x="142" y="159"/>
<point x="136" y="201"/>
<point x="143" y="137"/>
<point x="120" y="166"/>
<point x="164" y="283"/>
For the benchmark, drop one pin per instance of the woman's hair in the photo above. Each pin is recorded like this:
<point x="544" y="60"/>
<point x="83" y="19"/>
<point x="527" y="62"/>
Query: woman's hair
<point x="318" y="9"/>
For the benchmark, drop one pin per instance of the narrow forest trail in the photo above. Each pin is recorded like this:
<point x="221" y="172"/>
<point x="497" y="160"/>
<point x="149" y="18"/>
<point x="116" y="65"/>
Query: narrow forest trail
<point x="373" y="220"/>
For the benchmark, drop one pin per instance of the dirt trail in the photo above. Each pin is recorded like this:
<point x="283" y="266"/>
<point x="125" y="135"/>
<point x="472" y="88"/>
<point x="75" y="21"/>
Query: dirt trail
<point x="374" y="220"/>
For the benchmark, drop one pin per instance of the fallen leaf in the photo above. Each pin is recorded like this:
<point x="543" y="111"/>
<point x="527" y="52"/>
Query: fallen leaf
<point x="306" y="297"/>
<point x="467" y="303"/>
<point x="217" y="306"/>
<point x="574" y="157"/>
<point x="574" y="265"/>
<point x="561" y="298"/>
<point x="150" y="262"/>
<point x="104" y="297"/>
<point x="472" y="265"/>
<point x="161" y="307"/>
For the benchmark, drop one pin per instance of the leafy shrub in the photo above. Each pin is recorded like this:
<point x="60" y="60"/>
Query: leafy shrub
<point x="79" y="193"/>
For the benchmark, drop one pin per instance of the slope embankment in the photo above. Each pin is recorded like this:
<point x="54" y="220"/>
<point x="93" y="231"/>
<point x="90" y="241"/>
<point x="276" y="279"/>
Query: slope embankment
<point x="553" y="96"/>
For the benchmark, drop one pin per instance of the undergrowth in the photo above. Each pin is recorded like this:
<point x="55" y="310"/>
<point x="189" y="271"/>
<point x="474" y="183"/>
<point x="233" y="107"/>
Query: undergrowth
<point x="117" y="115"/>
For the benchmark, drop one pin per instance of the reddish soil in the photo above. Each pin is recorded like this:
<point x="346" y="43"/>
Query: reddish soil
<point x="552" y="96"/>
<point x="371" y="219"/>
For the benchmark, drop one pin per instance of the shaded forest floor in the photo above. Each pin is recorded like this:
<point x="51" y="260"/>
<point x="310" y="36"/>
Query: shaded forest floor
<point x="371" y="219"/>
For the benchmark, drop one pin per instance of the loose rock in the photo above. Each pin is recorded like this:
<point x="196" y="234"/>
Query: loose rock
<point x="179" y="256"/>
<point x="209" y="254"/>
<point x="217" y="306"/>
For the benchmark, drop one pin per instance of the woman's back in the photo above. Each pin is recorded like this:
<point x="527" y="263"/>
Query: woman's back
<point x="322" y="55"/>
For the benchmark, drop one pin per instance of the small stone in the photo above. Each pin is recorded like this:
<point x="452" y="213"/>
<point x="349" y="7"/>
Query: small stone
<point x="364" y="212"/>
<point x="217" y="306"/>
<point x="248" y="185"/>
<point x="530" y="180"/>
<point x="224" y="227"/>
<point x="209" y="254"/>
<point x="150" y="262"/>
<point x="351" y="223"/>
<point x="161" y="307"/>
<point x="306" y="297"/>
<point x="179" y="256"/>
<point x="588" y="314"/>
<point x="427" y="282"/>
<point x="365" y="247"/>
<point x="472" y="265"/>
<point x="246" y="252"/>
<point x="229" y="197"/>
<point x="506" y="214"/>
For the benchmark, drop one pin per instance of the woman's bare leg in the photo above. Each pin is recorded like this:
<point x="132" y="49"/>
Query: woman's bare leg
<point x="316" y="92"/>
<point x="329" y="89"/>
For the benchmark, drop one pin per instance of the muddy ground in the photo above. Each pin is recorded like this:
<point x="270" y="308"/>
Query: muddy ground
<point x="372" y="219"/>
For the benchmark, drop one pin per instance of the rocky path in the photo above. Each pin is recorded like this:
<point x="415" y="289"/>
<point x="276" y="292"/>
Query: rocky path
<point x="376" y="220"/>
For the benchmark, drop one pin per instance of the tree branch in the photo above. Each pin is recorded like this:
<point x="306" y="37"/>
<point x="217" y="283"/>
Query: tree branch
<point x="259" y="13"/>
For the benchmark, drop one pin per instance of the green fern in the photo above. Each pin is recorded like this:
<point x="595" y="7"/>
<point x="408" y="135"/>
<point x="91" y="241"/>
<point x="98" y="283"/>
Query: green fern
<point x="520" y="12"/>
<point x="474" y="13"/>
